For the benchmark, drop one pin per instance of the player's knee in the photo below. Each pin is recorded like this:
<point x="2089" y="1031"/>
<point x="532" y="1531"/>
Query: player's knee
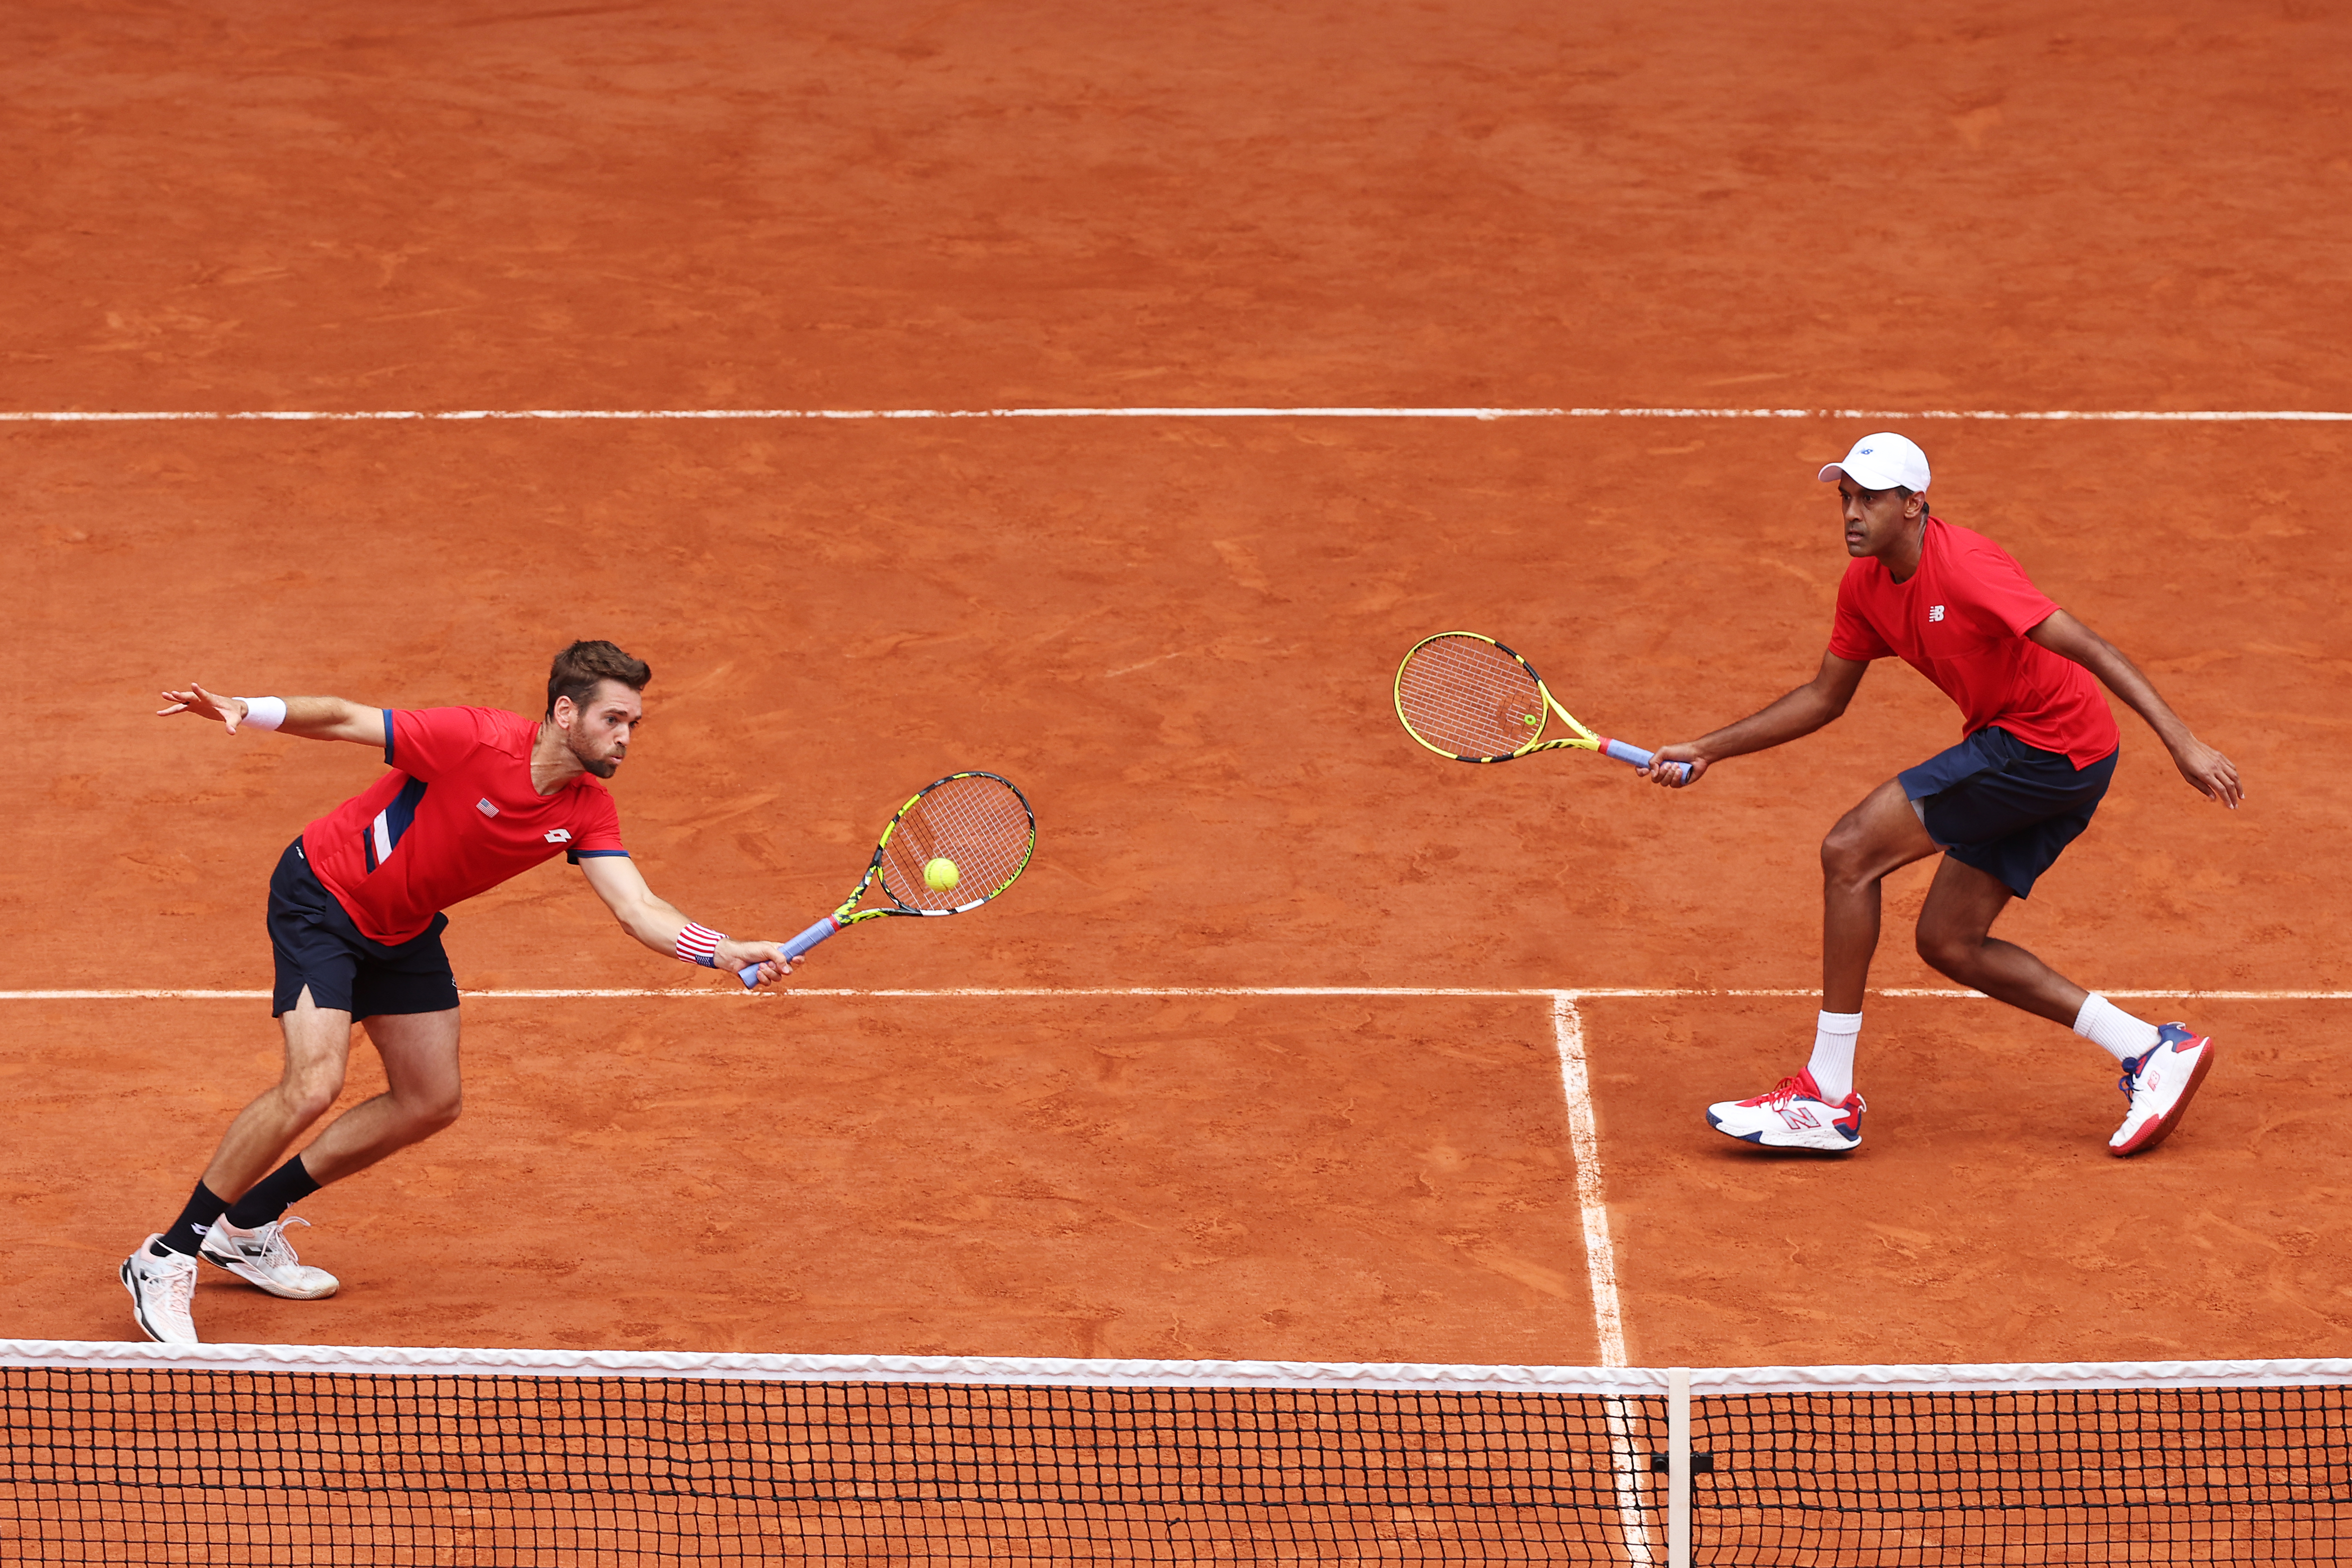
<point x="1845" y="855"/>
<point x="425" y="1109"/>
<point x="436" y="1112"/>
<point x="1946" y="951"/>
<point x="310" y="1093"/>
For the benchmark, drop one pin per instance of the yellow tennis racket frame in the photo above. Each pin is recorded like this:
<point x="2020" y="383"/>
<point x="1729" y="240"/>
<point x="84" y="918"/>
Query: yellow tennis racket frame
<point x="1533" y="714"/>
<point x="842" y="918"/>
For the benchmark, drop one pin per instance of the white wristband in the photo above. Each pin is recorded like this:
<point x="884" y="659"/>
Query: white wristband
<point x="263" y="712"/>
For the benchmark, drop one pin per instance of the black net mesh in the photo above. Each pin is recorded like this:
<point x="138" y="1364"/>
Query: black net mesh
<point x="2255" y="1474"/>
<point x="239" y="1468"/>
<point x="191" y="1465"/>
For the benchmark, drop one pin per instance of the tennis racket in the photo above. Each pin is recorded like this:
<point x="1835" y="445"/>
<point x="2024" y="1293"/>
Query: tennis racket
<point x="1469" y="698"/>
<point x="978" y="824"/>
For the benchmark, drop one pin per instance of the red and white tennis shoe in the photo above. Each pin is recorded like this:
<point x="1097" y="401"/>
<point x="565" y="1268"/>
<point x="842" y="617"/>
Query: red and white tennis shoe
<point x="2160" y="1083"/>
<point x="1793" y="1115"/>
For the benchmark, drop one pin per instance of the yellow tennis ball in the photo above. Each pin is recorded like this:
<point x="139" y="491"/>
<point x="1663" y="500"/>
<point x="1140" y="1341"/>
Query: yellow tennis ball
<point x="941" y="876"/>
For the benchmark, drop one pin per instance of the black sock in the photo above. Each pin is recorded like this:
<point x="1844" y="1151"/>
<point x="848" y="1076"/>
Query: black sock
<point x="272" y="1195"/>
<point x="189" y="1228"/>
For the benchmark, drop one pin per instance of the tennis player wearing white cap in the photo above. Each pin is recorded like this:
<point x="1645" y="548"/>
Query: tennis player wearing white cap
<point x="2039" y="749"/>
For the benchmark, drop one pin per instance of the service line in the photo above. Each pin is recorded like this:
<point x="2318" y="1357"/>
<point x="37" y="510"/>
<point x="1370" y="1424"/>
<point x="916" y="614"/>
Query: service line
<point x="299" y="415"/>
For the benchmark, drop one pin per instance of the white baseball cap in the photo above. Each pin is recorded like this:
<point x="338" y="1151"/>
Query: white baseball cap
<point x="1882" y="462"/>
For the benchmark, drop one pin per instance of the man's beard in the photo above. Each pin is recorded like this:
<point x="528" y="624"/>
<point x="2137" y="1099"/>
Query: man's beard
<point x="603" y="767"/>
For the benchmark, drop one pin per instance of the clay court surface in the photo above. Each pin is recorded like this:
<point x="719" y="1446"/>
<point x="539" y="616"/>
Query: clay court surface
<point x="1177" y="634"/>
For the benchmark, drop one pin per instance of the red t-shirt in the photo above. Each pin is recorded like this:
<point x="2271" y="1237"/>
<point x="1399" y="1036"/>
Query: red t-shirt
<point x="1960" y="620"/>
<point x="458" y="817"/>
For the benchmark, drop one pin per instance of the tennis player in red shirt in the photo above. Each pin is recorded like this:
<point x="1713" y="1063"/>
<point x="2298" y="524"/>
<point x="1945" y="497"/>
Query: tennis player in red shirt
<point x="2039" y="748"/>
<point x="474" y="796"/>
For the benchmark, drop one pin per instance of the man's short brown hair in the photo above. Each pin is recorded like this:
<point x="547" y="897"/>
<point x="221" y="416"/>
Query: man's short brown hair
<point x="579" y="668"/>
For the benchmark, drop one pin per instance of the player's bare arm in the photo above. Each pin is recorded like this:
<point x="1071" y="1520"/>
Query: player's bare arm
<point x="312" y="718"/>
<point x="2207" y="770"/>
<point x="657" y="923"/>
<point x="1792" y="716"/>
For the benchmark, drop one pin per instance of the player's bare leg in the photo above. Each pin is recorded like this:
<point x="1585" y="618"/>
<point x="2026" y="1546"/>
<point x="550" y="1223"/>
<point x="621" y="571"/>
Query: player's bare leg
<point x="421" y="1096"/>
<point x="420" y="1059"/>
<point x="2162" y="1066"/>
<point x="1881" y="835"/>
<point x="1954" y="937"/>
<point x="1818" y="1109"/>
<point x="161" y="1275"/>
<point x="318" y="1051"/>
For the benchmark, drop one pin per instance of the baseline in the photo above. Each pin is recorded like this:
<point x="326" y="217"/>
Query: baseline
<point x="2156" y="416"/>
<point x="1572" y="993"/>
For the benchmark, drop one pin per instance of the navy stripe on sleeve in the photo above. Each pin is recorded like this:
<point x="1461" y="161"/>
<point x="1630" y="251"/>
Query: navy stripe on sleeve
<point x="387" y="737"/>
<point x="574" y="857"/>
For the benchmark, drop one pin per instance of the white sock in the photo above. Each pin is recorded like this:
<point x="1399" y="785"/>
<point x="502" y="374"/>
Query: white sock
<point x="2105" y="1025"/>
<point x="1832" y="1065"/>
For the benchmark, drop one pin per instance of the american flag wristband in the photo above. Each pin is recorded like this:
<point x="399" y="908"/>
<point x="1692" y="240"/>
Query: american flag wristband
<point x="699" y="944"/>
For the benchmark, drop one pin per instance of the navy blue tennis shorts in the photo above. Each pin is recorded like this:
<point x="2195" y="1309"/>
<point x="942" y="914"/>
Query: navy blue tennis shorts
<point x="2005" y="807"/>
<point x="318" y="946"/>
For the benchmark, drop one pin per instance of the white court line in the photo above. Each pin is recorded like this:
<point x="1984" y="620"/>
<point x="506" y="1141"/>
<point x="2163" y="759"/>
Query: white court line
<point x="1584" y="1142"/>
<point x="1631" y="1467"/>
<point x="2155" y="415"/>
<point x="1573" y="994"/>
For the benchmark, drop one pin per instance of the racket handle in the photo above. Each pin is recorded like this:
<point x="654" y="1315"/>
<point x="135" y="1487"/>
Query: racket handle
<point x="793" y="948"/>
<point x="1636" y="756"/>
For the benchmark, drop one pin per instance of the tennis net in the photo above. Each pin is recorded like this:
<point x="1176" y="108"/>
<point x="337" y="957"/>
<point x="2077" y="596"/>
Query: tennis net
<point x="237" y="1455"/>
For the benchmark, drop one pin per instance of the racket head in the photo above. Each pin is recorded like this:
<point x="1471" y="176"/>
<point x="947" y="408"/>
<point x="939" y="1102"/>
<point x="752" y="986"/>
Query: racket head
<point x="979" y="821"/>
<point x="1466" y="696"/>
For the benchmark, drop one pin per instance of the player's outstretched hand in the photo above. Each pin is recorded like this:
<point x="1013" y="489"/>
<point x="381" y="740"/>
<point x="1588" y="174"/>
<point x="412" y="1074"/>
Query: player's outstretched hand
<point x="2209" y="772"/>
<point x="769" y="957"/>
<point x="228" y="711"/>
<point x="1693" y="769"/>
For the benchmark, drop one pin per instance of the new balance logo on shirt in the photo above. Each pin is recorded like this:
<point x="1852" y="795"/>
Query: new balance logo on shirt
<point x="1934" y="612"/>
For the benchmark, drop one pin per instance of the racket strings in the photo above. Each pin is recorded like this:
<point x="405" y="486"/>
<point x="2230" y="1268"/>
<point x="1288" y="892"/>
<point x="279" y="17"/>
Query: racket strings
<point x="1466" y="697"/>
<point x="975" y="820"/>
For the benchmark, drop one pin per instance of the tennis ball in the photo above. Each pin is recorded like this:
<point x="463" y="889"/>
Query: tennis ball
<point x="941" y="875"/>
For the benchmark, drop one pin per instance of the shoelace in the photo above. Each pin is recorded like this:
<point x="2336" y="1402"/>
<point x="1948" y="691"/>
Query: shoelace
<point x="179" y="1288"/>
<point x="1780" y="1093"/>
<point x="2133" y="1066"/>
<point x="277" y="1252"/>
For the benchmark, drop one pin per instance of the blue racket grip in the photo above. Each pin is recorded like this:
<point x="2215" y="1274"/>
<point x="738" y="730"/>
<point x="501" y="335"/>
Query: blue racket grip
<point x="1638" y="757"/>
<point x="793" y="948"/>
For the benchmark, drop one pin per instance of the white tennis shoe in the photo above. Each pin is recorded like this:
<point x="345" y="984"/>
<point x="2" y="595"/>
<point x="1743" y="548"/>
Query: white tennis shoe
<point x="2158" y="1083"/>
<point x="162" y="1291"/>
<point x="264" y="1257"/>
<point x="1793" y="1114"/>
